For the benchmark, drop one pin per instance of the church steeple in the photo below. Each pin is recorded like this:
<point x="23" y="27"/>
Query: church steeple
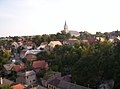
<point x="66" y="28"/>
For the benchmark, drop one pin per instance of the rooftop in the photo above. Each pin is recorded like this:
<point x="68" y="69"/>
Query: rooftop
<point x="18" y="86"/>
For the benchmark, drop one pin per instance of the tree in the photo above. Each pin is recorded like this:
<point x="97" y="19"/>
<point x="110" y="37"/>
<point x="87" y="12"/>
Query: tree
<point x="98" y="34"/>
<point x="4" y="56"/>
<point x="45" y="38"/>
<point x="20" y="48"/>
<point x="37" y="40"/>
<point x="15" y="38"/>
<point x="6" y="87"/>
<point x="96" y="66"/>
<point x="6" y="53"/>
<point x="117" y="64"/>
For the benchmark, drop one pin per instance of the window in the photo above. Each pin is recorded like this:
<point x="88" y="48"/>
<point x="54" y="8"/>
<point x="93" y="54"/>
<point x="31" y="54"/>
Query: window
<point x="27" y="77"/>
<point x="49" y="86"/>
<point x="54" y="87"/>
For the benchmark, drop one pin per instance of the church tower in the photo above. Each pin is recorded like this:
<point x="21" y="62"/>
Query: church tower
<point x="66" y="28"/>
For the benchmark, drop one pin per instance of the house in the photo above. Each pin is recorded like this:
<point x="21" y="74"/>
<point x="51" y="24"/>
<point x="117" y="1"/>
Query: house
<point x="32" y="52"/>
<point x="54" y="80"/>
<point x="5" y="82"/>
<point x="114" y="39"/>
<point x="22" y="53"/>
<point x="39" y="65"/>
<point x="29" y="45"/>
<point x="31" y="57"/>
<point x="7" y="68"/>
<point x="85" y="41"/>
<point x="67" y="78"/>
<point x="20" y="43"/>
<point x="18" y="86"/>
<point x="50" y="76"/>
<point x="43" y="46"/>
<point x="6" y="39"/>
<point x="60" y="84"/>
<point x="101" y="39"/>
<point x="111" y="40"/>
<point x="52" y="44"/>
<point x="26" y="78"/>
<point x="92" y="40"/>
<point x="53" y="84"/>
<point x="18" y="68"/>
<point x="38" y="87"/>
<point x="70" y="41"/>
<point x="109" y="84"/>
<point x="71" y="32"/>
<point x="15" y="44"/>
<point x="13" y="60"/>
<point x="21" y="38"/>
<point x="74" y="33"/>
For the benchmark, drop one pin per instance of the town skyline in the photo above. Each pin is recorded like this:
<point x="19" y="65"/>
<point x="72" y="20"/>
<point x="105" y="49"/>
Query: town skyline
<point x="34" y="17"/>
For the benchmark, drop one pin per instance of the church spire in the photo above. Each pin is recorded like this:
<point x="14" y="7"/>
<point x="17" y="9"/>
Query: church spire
<point x="65" y="22"/>
<point x="66" y="28"/>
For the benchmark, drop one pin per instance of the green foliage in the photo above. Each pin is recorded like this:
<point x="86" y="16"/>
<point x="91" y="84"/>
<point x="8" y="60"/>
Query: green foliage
<point x="85" y="35"/>
<point x="6" y="87"/>
<point x="15" y="38"/>
<point x="41" y="74"/>
<point x="95" y="65"/>
<point x="3" y="60"/>
<point x="12" y="76"/>
<point x="61" y="58"/>
<point x="36" y="40"/>
<point x="47" y="38"/>
<point x="4" y="55"/>
<point x="20" y="48"/>
<point x="88" y="64"/>
<point x="48" y="74"/>
<point x="3" y="43"/>
<point x="27" y="64"/>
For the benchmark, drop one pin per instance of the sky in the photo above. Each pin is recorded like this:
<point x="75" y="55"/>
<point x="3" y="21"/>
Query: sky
<point x="37" y="17"/>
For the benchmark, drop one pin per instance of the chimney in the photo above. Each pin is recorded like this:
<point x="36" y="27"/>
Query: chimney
<point x="1" y="80"/>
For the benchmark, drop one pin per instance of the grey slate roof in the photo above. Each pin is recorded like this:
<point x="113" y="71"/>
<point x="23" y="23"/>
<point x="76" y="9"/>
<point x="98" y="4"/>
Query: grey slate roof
<point x="6" y="82"/>
<point x="38" y="87"/>
<point x="26" y="73"/>
<point x="66" y="85"/>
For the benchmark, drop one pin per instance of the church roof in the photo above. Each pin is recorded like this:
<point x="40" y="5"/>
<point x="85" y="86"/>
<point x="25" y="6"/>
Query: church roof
<point x="74" y="33"/>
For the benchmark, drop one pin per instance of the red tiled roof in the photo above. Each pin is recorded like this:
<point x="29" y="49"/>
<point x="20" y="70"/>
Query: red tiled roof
<point x="91" y="40"/>
<point x="39" y="64"/>
<point x="19" y="67"/>
<point x="71" y="41"/>
<point x="18" y="86"/>
<point x="28" y="43"/>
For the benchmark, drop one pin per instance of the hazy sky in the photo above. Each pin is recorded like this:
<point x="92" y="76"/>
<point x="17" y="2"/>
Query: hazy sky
<point x="30" y="17"/>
